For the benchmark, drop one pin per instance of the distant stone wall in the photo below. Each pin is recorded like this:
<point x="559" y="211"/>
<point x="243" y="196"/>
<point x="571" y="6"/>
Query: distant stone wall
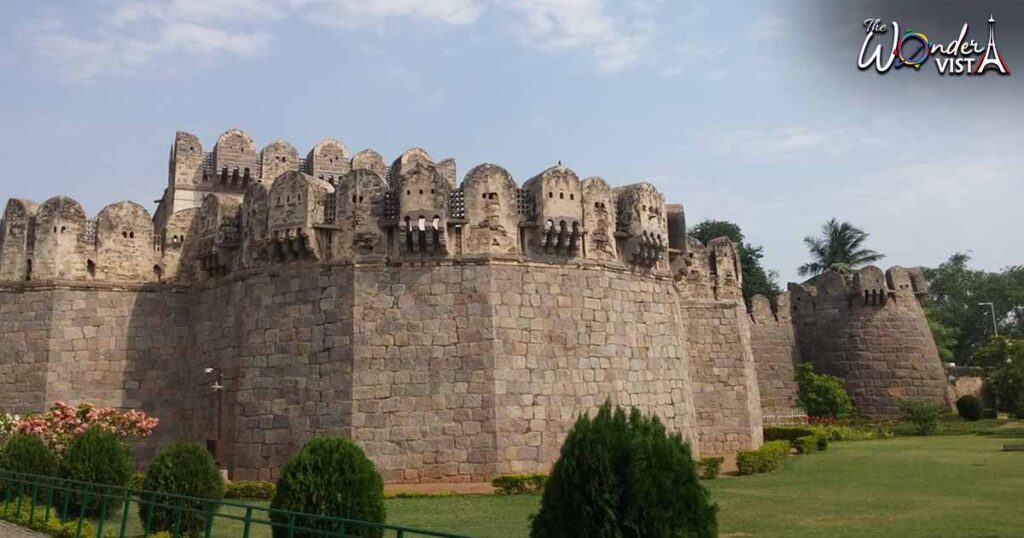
<point x="773" y="343"/>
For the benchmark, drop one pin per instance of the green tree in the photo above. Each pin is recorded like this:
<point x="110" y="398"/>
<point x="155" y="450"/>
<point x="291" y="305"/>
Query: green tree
<point x="821" y="395"/>
<point x="623" y="475"/>
<point x="756" y="279"/>
<point x="838" y="248"/>
<point x="958" y="322"/>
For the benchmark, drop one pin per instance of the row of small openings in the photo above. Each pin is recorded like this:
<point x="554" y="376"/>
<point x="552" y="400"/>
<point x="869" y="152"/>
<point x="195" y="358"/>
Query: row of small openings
<point x="562" y="225"/>
<point x="409" y="192"/>
<point x="128" y="235"/>
<point x="490" y="196"/>
<point x="62" y="229"/>
<point x="874" y="297"/>
<point x="435" y="224"/>
<point x="561" y="195"/>
<point x="355" y="198"/>
<point x="654" y="210"/>
<point x="599" y="205"/>
<point x="175" y="239"/>
<point x="288" y="199"/>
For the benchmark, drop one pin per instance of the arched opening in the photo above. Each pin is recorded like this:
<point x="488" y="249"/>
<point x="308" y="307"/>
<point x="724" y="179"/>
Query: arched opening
<point x="28" y="269"/>
<point x="90" y="267"/>
<point x="224" y="175"/>
<point x="158" y="272"/>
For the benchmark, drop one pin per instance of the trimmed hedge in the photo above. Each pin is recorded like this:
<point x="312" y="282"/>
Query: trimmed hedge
<point x="96" y="456"/>
<point x="28" y="454"/>
<point x="180" y="469"/>
<point x="708" y="468"/>
<point x="624" y="475"/>
<point x="515" y="484"/>
<point x="771" y="456"/>
<point x="807" y="444"/>
<point x="329" y="476"/>
<point x="250" y="489"/>
<point x="786" y="433"/>
<point x="969" y="407"/>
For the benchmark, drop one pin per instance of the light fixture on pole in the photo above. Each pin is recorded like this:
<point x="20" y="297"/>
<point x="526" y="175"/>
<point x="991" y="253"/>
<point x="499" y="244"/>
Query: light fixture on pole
<point x="992" y="310"/>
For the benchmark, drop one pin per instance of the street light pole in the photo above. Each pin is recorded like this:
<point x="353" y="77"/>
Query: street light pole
<point x="992" y="311"/>
<point x="218" y="387"/>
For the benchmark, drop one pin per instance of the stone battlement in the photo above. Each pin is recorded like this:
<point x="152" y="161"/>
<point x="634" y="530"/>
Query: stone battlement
<point x="454" y="330"/>
<point x="236" y="209"/>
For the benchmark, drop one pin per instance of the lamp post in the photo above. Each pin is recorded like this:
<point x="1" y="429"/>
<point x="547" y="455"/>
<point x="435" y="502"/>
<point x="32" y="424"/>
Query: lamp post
<point x="992" y="310"/>
<point x="218" y="387"/>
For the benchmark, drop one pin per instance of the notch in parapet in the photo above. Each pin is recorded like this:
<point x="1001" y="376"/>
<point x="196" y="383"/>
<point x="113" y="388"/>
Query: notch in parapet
<point x="762" y="310"/>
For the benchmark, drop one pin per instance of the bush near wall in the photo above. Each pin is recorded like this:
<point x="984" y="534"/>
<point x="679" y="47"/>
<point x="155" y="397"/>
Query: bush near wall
<point x="180" y="469"/>
<point x="329" y="476"/>
<point x="516" y="484"/>
<point x="807" y="444"/>
<point x="250" y="489"/>
<point x="28" y="454"/>
<point x="708" y="468"/>
<point x="622" y="474"/>
<point x="99" y="457"/>
<point x="969" y="407"/>
<point x="786" y="433"/>
<point x="771" y="456"/>
<point x="922" y="414"/>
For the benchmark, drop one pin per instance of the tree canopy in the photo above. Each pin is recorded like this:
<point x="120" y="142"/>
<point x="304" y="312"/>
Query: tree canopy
<point x="756" y="279"/>
<point x="839" y="247"/>
<point x="960" y="324"/>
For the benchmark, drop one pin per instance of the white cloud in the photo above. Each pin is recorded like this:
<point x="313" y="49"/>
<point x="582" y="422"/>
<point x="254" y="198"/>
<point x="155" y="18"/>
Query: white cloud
<point x="353" y="12"/>
<point x="140" y="38"/>
<point x="785" y="143"/>
<point x="768" y="27"/>
<point x="557" y="25"/>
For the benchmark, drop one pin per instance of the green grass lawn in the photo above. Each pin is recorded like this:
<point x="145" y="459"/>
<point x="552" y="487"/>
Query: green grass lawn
<point x="941" y="486"/>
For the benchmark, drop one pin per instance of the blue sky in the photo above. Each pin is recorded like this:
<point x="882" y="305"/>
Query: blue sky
<point x="753" y="112"/>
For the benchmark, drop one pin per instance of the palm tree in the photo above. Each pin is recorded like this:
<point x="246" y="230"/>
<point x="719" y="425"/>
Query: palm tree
<point x="837" y="248"/>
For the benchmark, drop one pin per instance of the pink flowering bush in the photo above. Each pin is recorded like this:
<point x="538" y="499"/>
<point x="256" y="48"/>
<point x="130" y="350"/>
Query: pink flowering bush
<point x="63" y="423"/>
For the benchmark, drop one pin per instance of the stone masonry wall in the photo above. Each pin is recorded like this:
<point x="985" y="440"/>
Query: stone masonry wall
<point x="566" y="339"/>
<point x="773" y="343"/>
<point x="725" y="390"/>
<point x="442" y="371"/>
<point x="106" y="345"/>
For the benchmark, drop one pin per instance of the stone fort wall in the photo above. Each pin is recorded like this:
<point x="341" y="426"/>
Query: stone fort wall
<point x="442" y="372"/>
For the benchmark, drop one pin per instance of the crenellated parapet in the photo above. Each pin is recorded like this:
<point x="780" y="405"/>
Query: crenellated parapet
<point x="56" y="241"/>
<point x="868" y="287"/>
<point x="237" y="209"/>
